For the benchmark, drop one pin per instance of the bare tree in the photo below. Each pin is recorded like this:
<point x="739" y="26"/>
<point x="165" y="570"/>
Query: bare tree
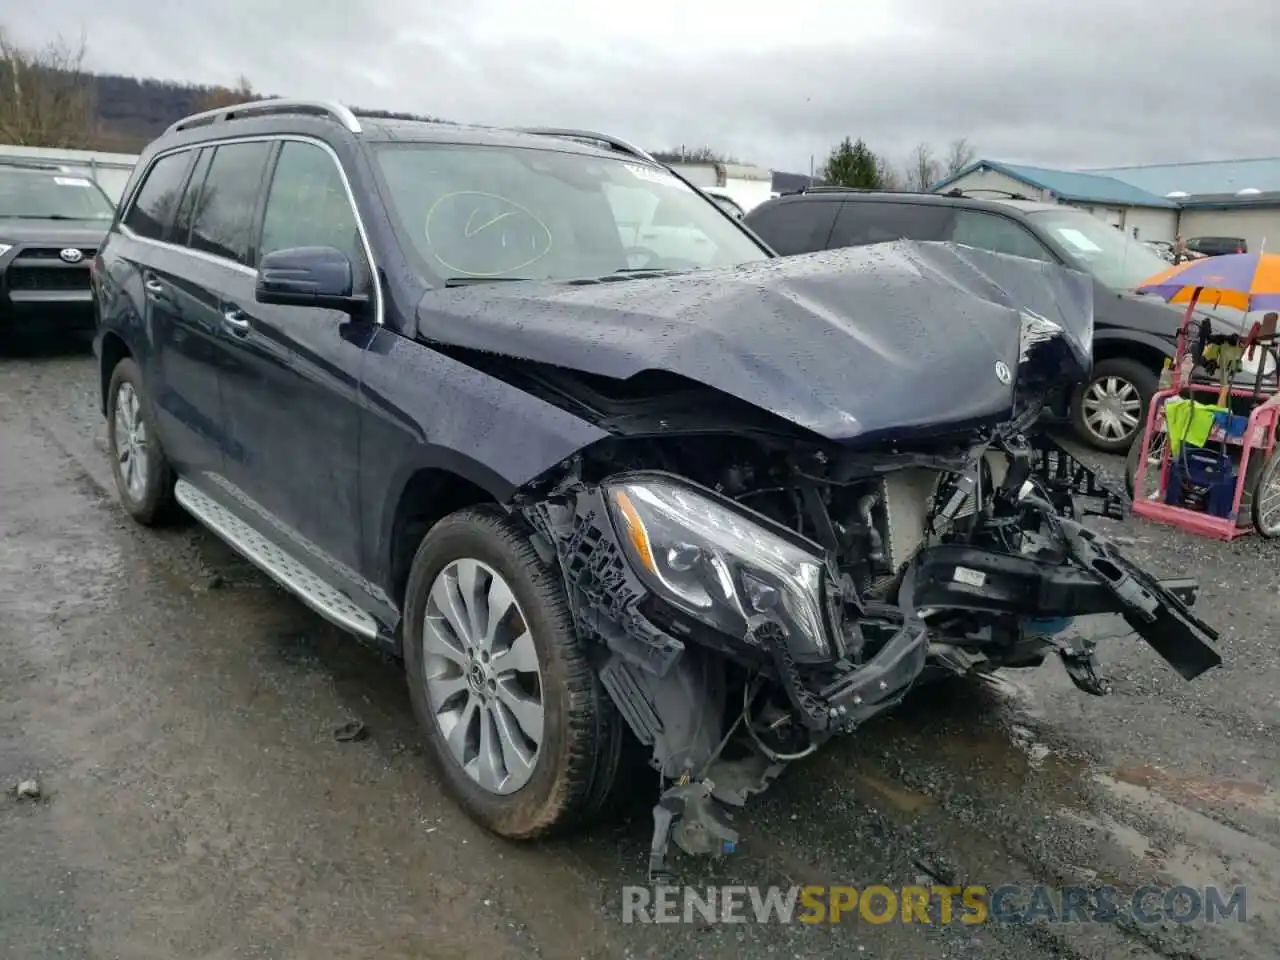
<point x="959" y="155"/>
<point x="922" y="168"/>
<point x="218" y="97"/>
<point x="46" y="98"/>
<point x="889" y="179"/>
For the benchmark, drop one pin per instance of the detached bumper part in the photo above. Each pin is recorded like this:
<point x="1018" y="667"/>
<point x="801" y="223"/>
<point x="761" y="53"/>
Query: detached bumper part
<point x="962" y="579"/>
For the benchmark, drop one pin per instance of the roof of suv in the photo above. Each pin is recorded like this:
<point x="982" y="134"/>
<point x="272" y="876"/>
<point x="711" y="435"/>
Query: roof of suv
<point x="381" y="127"/>
<point x="882" y="196"/>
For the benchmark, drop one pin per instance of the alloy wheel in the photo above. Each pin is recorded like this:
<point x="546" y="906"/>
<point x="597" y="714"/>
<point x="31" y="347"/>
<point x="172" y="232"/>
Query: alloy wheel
<point x="131" y="441"/>
<point x="482" y="676"/>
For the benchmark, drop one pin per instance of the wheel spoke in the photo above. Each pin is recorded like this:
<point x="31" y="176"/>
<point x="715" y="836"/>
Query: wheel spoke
<point x="516" y="757"/>
<point x="469" y="587"/>
<point x="526" y="710"/>
<point x="444" y="598"/>
<point x="488" y="763"/>
<point x="459" y="733"/>
<point x="499" y="603"/>
<point x="439" y="639"/>
<point x="520" y="657"/>
<point x="444" y="688"/>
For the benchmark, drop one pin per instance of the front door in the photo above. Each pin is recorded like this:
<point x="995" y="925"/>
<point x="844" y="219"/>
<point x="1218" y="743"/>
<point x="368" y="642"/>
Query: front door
<point x="290" y="396"/>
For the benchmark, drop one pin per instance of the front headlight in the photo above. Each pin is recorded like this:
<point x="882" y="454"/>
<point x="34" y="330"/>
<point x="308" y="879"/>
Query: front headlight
<point x="719" y="566"/>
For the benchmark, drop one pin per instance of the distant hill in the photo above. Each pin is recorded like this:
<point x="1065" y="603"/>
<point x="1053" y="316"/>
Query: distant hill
<point x="133" y="112"/>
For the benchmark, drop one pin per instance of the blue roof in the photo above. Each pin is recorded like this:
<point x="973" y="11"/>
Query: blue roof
<point x="1207" y="177"/>
<point x="1078" y="187"/>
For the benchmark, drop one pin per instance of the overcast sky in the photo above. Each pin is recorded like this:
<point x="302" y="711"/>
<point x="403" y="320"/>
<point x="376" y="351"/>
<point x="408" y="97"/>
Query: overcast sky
<point x="1061" y="83"/>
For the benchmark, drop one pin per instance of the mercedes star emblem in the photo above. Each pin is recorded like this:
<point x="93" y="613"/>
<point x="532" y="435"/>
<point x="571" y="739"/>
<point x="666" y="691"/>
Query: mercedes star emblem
<point x="1002" y="373"/>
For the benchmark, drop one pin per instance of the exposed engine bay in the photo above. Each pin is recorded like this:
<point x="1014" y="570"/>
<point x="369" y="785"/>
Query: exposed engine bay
<point x="753" y="596"/>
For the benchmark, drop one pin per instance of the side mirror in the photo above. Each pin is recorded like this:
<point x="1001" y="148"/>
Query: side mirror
<point x="308" y="277"/>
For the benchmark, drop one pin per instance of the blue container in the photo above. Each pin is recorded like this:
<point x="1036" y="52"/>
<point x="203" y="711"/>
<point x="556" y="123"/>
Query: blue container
<point x="1232" y="424"/>
<point x="1203" y="481"/>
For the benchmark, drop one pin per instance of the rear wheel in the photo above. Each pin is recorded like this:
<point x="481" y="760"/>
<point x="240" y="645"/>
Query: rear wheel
<point x="144" y="478"/>
<point x="518" y="725"/>
<point x="1108" y="409"/>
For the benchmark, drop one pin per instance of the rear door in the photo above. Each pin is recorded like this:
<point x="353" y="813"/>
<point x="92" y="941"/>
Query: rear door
<point x="182" y="377"/>
<point x="291" y="394"/>
<point x="862" y="222"/>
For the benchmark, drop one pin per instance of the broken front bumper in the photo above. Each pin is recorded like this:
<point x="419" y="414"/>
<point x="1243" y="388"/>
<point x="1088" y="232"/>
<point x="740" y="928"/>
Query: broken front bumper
<point x="958" y="579"/>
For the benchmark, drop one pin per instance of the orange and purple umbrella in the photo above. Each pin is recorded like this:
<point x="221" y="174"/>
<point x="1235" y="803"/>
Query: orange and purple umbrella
<point x="1245" y="281"/>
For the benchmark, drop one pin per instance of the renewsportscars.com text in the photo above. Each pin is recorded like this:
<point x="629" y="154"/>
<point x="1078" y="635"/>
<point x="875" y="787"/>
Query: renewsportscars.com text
<point x="970" y="905"/>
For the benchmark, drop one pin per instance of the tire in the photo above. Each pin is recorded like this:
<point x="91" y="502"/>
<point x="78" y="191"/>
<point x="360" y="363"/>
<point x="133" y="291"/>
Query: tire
<point x="576" y="760"/>
<point x="147" y="495"/>
<point x="1266" y="526"/>
<point x="1126" y="378"/>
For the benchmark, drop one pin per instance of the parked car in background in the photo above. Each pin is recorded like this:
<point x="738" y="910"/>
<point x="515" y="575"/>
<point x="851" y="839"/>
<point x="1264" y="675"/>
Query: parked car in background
<point x="1133" y="336"/>
<point x="1217" y="246"/>
<point x="733" y="505"/>
<point x="51" y="223"/>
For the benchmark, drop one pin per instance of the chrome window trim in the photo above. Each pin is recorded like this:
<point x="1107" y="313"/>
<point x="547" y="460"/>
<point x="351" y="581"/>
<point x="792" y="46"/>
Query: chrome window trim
<point x="379" y="316"/>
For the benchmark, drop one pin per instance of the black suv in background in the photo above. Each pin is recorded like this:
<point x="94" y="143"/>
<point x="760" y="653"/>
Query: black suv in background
<point x="1133" y="334"/>
<point x="51" y="223"/>
<point x="452" y="388"/>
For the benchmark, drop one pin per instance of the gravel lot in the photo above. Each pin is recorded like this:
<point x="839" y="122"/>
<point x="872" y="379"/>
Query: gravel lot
<point x="178" y="713"/>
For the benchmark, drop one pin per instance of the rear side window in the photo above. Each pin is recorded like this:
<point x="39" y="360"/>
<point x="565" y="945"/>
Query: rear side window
<point x="186" y="210"/>
<point x="990" y="231"/>
<point x="222" y="223"/>
<point x="872" y="221"/>
<point x="307" y="204"/>
<point x="154" y="204"/>
<point x="796" y="227"/>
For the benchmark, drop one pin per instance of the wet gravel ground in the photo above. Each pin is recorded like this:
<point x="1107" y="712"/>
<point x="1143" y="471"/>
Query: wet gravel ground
<point x="177" y="711"/>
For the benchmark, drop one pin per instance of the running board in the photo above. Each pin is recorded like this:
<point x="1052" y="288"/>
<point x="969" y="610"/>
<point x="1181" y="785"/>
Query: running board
<point x="281" y="566"/>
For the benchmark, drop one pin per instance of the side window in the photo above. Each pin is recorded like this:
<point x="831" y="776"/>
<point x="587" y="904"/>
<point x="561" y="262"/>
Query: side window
<point x="222" y="222"/>
<point x="308" y="206"/>
<point x="873" y="221"/>
<point x="798" y="226"/>
<point x="990" y="231"/>
<point x="190" y="198"/>
<point x="154" y="205"/>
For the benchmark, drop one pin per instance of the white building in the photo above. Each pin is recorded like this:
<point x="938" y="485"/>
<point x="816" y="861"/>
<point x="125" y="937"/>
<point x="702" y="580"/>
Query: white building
<point x="1229" y="198"/>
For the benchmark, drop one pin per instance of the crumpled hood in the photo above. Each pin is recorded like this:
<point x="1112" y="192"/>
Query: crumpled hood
<point x="860" y="342"/>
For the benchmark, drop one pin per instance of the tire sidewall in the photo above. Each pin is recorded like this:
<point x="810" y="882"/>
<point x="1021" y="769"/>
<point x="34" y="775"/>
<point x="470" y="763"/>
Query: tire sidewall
<point x="1143" y="380"/>
<point x="458" y="538"/>
<point x="144" y="508"/>
<point x="1265" y="477"/>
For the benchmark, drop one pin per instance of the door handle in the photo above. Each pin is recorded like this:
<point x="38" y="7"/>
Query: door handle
<point x="153" y="287"/>
<point x="235" y="319"/>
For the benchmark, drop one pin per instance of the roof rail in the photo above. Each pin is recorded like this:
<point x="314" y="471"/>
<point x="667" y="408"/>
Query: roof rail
<point x="263" y="108"/>
<point x="964" y="194"/>
<point x="622" y="146"/>
<point x="33" y="163"/>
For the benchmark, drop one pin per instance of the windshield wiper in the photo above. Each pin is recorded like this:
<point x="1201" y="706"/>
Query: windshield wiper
<point x="36" y="216"/>
<point x="471" y="281"/>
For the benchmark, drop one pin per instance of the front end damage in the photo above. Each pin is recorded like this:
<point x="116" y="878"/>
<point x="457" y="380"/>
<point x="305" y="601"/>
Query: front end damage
<point x="746" y="602"/>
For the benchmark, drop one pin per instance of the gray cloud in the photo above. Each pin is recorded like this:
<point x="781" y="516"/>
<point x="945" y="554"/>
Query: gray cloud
<point x="1073" y="83"/>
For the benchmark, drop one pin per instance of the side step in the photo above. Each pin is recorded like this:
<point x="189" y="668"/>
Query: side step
<point x="282" y="567"/>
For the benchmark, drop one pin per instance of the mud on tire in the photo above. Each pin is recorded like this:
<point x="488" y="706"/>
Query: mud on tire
<point x="578" y="759"/>
<point x="153" y="505"/>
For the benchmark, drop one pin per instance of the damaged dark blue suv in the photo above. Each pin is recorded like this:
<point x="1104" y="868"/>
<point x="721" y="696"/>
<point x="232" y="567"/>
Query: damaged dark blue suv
<point x="540" y="416"/>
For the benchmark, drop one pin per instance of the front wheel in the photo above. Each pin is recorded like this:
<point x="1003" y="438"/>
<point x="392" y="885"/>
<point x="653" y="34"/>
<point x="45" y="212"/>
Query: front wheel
<point x="1109" y="409"/>
<point x="518" y="725"/>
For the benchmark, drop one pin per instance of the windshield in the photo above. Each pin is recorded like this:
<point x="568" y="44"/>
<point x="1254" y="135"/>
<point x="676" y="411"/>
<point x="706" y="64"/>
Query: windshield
<point x="1114" y="259"/>
<point x="477" y="213"/>
<point x="42" y="195"/>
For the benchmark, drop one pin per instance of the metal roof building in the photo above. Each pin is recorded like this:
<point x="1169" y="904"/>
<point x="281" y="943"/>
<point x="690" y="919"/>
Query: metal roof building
<point x="1228" y="198"/>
